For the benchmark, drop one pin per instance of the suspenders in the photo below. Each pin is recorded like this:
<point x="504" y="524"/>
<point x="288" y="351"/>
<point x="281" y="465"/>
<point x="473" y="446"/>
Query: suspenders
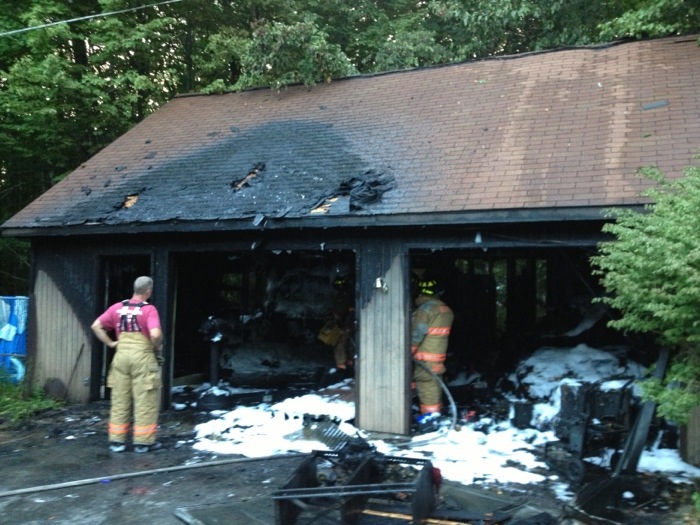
<point x="128" y="320"/>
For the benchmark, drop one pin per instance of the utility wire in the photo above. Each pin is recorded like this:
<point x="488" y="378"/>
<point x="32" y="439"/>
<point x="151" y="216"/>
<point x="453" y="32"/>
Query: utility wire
<point x="87" y="17"/>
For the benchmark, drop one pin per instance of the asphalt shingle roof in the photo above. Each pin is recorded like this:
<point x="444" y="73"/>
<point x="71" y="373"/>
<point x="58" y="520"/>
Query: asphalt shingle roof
<point x="533" y="132"/>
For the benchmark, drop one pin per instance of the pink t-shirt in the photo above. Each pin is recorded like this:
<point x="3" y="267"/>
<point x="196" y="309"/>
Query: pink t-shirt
<point x="131" y="318"/>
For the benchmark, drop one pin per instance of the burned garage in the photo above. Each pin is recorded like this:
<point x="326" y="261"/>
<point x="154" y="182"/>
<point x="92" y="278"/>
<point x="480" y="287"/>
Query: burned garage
<point x="492" y="178"/>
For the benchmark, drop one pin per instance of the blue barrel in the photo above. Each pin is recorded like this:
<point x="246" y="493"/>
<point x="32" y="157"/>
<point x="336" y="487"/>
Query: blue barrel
<point x="13" y="335"/>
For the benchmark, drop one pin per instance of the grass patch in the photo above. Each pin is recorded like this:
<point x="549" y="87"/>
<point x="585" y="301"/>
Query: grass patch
<point x="17" y="402"/>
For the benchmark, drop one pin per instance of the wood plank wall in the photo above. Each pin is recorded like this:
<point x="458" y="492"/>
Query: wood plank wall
<point x="690" y="439"/>
<point x="382" y="369"/>
<point x="60" y="336"/>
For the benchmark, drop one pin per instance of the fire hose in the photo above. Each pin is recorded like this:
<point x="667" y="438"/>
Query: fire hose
<point x="113" y="477"/>
<point x="439" y="381"/>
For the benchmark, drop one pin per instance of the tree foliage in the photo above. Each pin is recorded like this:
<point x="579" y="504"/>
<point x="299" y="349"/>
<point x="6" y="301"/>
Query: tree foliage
<point x="282" y="54"/>
<point x="651" y="272"/>
<point x="651" y="18"/>
<point x="68" y="89"/>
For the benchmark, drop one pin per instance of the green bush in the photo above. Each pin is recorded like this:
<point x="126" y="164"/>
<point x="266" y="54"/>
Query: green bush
<point x="651" y="273"/>
<point x="17" y="402"/>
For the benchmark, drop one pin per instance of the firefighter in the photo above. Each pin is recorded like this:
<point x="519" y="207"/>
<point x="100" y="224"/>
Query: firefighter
<point x="343" y="312"/>
<point x="431" y="323"/>
<point x="135" y="370"/>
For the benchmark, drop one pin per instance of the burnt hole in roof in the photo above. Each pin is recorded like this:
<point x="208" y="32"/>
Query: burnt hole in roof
<point x="333" y="206"/>
<point x="250" y="177"/>
<point x="367" y="188"/>
<point x="86" y="190"/>
<point x="130" y="199"/>
<point x="356" y="193"/>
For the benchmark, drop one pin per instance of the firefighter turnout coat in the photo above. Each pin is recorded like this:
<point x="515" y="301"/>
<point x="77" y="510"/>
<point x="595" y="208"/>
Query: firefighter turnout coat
<point x="431" y="324"/>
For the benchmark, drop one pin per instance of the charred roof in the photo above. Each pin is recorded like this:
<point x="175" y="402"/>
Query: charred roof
<point x="526" y="134"/>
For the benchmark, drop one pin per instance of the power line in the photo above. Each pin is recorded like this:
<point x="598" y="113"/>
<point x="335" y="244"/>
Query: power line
<point x="87" y="17"/>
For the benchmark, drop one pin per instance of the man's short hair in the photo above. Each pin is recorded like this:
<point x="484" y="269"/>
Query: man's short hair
<point x="143" y="284"/>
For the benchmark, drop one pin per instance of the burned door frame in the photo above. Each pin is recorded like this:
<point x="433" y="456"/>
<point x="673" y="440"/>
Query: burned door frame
<point x="384" y="370"/>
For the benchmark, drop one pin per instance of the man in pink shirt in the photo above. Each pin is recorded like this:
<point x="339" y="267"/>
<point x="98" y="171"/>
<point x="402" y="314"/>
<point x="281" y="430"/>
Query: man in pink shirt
<point x="134" y="375"/>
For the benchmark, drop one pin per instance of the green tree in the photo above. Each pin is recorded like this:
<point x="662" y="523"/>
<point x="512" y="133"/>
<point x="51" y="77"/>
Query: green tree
<point x="383" y="35"/>
<point x="651" y="18"/>
<point x="66" y="91"/>
<point x="281" y="54"/>
<point x="651" y="272"/>
<point x="72" y="88"/>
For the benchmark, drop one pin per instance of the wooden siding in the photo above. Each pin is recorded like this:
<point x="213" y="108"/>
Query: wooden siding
<point x="60" y="337"/>
<point x="383" y="402"/>
<point x="690" y="439"/>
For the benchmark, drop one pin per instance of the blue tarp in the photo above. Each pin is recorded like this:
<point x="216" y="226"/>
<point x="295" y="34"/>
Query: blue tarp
<point x="13" y="335"/>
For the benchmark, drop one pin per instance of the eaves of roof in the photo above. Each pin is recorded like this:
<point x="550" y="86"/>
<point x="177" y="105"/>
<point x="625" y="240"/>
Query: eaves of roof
<point x="339" y="223"/>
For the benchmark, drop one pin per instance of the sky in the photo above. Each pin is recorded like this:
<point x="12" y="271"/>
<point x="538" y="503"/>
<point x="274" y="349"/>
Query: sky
<point x="481" y="452"/>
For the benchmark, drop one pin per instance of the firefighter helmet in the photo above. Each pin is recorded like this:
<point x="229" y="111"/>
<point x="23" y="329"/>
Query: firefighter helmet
<point x="428" y="287"/>
<point x="340" y="282"/>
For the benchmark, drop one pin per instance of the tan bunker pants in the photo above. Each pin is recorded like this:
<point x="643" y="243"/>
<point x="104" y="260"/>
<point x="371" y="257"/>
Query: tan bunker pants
<point x="134" y="377"/>
<point x="429" y="391"/>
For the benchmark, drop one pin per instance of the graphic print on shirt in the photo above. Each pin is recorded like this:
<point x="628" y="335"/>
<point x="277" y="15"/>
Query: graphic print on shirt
<point x="128" y="317"/>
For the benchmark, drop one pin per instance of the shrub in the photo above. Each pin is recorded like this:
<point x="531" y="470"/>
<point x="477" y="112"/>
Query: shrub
<point x="17" y="402"/>
<point x="651" y="273"/>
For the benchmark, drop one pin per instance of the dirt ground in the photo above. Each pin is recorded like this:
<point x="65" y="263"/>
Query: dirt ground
<point x="56" y="469"/>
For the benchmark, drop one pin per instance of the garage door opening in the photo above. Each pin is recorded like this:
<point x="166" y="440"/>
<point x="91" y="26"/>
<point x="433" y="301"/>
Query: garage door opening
<point x="507" y="303"/>
<point x="252" y="319"/>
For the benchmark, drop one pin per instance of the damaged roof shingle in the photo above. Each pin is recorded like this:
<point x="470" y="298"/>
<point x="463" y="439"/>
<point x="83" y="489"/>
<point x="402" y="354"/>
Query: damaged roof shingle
<point x="361" y="191"/>
<point x="249" y="178"/>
